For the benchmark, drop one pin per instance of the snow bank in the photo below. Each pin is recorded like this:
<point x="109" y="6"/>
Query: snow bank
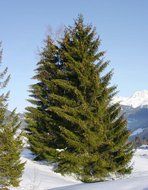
<point x="38" y="176"/>
<point x="138" y="180"/>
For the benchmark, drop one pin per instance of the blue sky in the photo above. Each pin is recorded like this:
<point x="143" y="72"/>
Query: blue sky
<point x="122" y="26"/>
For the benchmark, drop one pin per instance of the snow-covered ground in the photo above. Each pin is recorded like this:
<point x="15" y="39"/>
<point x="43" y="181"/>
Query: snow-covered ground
<point x="39" y="176"/>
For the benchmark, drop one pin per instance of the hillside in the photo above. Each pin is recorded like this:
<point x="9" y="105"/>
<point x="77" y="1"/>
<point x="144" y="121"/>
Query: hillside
<point x="135" y="108"/>
<point x="39" y="176"/>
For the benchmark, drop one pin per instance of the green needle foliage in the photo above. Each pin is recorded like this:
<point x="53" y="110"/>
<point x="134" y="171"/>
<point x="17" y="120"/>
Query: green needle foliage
<point x="73" y="121"/>
<point x="43" y="125"/>
<point x="10" y="143"/>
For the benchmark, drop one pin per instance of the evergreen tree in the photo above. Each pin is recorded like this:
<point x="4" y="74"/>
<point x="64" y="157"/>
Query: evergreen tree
<point x="10" y="143"/>
<point x="42" y="124"/>
<point x="76" y="107"/>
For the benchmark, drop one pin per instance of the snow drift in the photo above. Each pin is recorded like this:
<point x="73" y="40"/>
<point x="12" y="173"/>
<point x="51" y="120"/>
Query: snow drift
<point x="39" y="176"/>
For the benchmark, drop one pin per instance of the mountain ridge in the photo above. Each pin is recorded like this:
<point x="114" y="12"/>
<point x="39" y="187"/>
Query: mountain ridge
<point x="138" y="99"/>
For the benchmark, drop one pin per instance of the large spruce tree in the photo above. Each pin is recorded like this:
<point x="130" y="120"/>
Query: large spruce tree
<point x="11" y="166"/>
<point x="74" y="121"/>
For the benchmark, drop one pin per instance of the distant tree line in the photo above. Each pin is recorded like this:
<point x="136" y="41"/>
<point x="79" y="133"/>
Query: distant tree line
<point x="139" y="141"/>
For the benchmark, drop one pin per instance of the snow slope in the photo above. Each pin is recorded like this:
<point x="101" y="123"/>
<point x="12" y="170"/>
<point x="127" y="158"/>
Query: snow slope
<point x="137" y="181"/>
<point x="39" y="176"/>
<point x="139" y="98"/>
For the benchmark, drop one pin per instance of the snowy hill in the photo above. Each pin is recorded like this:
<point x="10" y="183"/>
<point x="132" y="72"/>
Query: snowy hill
<point x="139" y="98"/>
<point x="38" y="176"/>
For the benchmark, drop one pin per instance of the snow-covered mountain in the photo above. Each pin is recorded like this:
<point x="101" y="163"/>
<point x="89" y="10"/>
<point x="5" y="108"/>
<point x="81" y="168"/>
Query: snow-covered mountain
<point x="139" y="98"/>
<point x="135" y="108"/>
